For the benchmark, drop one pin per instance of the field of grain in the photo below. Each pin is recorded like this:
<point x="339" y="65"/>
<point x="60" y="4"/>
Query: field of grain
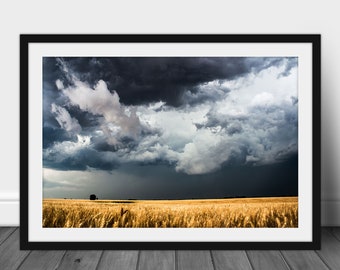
<point x="212" y="213"/>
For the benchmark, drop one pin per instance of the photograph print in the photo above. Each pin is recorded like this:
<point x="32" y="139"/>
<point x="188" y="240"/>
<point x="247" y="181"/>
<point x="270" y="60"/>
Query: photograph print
<point x="170" y="142"/>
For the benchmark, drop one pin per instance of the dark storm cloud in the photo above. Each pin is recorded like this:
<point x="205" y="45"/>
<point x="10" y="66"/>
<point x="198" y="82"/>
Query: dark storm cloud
<point x="145" y="79"/>
<point x="97" y="113"/>
<point x="137" y="80"/>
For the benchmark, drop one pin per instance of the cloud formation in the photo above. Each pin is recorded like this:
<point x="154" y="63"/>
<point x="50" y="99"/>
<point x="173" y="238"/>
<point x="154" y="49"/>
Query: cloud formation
<point x="141" y="80"/>
<point x="195" y="115"/>
<point x="118" y="121"/>
<point x="65" y="120"/>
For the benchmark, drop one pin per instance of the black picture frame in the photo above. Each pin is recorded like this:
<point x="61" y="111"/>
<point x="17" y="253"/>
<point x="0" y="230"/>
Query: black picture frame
<point x="27" y="130"/>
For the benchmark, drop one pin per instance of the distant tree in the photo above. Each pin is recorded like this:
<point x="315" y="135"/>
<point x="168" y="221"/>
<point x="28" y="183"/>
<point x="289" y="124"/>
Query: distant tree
<point x="93" y="197"/>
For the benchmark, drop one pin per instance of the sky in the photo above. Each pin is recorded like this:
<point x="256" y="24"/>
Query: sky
<point x="170" y="127"/>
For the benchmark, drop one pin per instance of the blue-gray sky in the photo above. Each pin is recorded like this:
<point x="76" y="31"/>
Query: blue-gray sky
<point x="170" y="127"/>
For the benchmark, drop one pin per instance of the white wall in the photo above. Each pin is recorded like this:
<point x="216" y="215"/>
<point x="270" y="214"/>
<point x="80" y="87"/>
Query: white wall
<point x="156" y="16"/>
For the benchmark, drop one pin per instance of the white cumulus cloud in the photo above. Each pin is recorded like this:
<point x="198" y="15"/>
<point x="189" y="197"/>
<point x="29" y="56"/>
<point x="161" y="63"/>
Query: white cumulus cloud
<point x="118" y="120"/>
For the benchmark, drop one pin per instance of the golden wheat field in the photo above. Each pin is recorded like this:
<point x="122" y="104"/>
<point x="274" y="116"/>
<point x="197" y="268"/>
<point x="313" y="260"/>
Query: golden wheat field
<point x="210" y="213"/>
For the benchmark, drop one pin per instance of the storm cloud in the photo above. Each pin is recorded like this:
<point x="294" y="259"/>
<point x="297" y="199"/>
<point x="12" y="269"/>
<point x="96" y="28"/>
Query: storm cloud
<point x="146" y="79"/>
<point x="194" y="115"/>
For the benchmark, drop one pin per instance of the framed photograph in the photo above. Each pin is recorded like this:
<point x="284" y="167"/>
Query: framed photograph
<point x="170" y="141"/>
